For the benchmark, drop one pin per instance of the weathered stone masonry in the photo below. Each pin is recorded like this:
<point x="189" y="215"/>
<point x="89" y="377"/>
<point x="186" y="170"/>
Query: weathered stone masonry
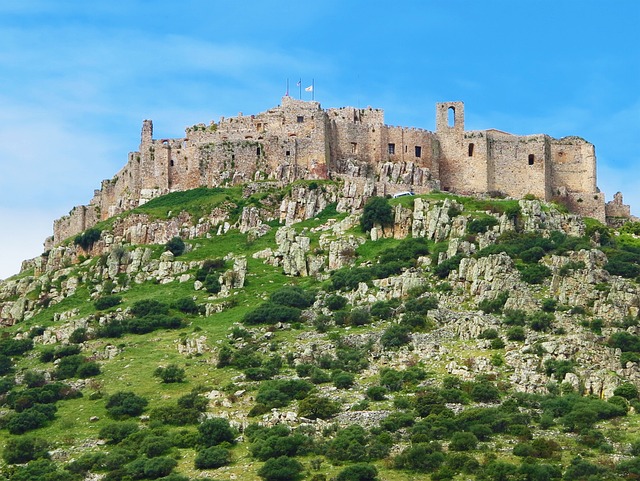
<point x="300" y="140"/>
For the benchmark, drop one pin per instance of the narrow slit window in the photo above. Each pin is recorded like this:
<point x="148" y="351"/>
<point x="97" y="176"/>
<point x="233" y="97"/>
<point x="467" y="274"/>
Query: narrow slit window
<point x="531" y="159"/>
<point x="354" y="147"/>
<point x="471" y="146"/>
<point x="258" y="151"/>
<point x="392" y="148"/>
<point x="418" y="151"/>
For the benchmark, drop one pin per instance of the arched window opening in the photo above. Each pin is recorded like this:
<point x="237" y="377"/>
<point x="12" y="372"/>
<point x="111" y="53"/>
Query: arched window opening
<point x="172" y="163"/>
<point x="451" y="116"/>
<point x="471" y="146"/>
<point x="531" y="159"/>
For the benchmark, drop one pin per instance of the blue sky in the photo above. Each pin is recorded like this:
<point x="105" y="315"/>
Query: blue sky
<point x="77" y="78"/>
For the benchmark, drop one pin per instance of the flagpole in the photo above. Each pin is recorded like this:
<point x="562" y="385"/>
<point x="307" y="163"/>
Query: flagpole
<point x="300" y="89"/>
<point x="313" y="89"/>
<point x="287" y="87"/>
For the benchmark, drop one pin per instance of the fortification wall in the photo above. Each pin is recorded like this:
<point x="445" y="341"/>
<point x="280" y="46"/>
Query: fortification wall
<point x="519" y="165"/>
<point x="574" y="165"/>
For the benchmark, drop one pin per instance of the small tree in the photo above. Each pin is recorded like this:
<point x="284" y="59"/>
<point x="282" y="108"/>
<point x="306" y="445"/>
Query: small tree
<point x="176" y="246"/>
<point x="170" y="374"/>
<point x="358" y="472"/>
<point x="282" y="468"/>
<point x="212" y="458"/>
<point x="124" y="404"/>
<point x="23" y="449"/>
<point x="215" y="431"/>
<point x="377" y="210"/>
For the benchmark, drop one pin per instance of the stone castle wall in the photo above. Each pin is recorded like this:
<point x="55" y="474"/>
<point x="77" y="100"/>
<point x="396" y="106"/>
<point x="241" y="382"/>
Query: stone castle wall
<point x="298" y="139"/>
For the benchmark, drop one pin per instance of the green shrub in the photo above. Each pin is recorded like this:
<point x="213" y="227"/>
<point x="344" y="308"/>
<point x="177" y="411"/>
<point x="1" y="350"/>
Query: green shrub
<point x="627" y="390"/>
<point x="215" y="431"/>
<point x="484" y="392"/>
<point x="170" y="374"/>
<point x="443" y="269"/>
<point x="316" y="407"/>
<point x="78" y="336"/>
<point x="186" y="305"/>
<point x="495" y="305"/>
<point x="358" y="472"/>
<point x="395" y="336"/>
<point x="149" y="307"/>
<point x="420" y="457"/>
<point x="106" y="302"/>
<point x="212" y="458"/>
<point x="87" y="238"/>
<point x="381" y="310"/>
<point x="336" y="302"/>
<point x="176" y="246"/>
<point x="31" y="418"/>
<point x="463" y="441"/>
<point x="293" y="296"/>
<point x="516" y="333"/>
<point x="282" y="468"/>
<point x="153" y="446"/>
<point x="15" y="347"/>
<point x="541" y="321"/>
<point x="212" y="283"/>
<point x="377" y="393"/>
<point x="481" y="225"/>
<point x="535" y="273"/>
<point x="359" y="317"/>
<point x="377" y="210"/>
<point x="124" y="404"/>
<point x="270" y="313"/>
<point x="342" y="379"/>
<point x="18" y="450"/>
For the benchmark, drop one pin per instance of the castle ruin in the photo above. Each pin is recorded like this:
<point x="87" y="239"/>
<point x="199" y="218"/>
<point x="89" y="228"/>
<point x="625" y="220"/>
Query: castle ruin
<point x="300" y="140"/>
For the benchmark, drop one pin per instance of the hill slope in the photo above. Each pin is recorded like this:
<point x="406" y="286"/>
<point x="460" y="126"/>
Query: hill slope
<point x="211" y="332"/>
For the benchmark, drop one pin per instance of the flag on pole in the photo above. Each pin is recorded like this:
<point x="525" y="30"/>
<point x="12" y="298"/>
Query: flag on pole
<point x="299" y="83"/>
<point x="309" y="88"/>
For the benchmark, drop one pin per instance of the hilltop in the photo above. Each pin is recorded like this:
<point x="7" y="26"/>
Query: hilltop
<point x="249" y="331"/>
<point x="299" y="140"/>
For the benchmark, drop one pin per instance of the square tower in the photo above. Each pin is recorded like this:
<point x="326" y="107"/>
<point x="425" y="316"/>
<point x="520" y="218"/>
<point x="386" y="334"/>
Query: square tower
<point x="450" y="116"/>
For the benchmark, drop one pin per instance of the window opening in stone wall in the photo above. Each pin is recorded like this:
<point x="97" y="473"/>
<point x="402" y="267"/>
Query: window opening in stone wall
<point x="392" y="148"/>
<point x="287" y="153"/>
<point x="531" y="159"/>
<point x="233" y="157"/>
<point x="300" y="119"/>
<point x="406" y="149"/>
<point x="418" y="151"/>
<point x="451" y="116"/>
<point x="471" y="146"/>
<point x="171" y="162"/>
<point x="354" y="147"/>
<point x="258" y="151"/>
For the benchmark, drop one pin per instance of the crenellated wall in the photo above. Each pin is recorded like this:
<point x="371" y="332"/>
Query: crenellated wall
<point x="298" y="139"/>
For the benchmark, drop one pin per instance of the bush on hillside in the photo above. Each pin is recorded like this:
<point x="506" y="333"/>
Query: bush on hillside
<point x="170" y="374"/>
<point x="106" y="302"/>
<point x="87" y="238"/>
<point x="124" y="404"/>
<point x="176" y="246"/>
<point x="377" y="210"/>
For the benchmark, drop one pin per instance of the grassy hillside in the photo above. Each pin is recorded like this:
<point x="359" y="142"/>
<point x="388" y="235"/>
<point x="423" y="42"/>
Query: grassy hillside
<point x="390" y="367"/>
